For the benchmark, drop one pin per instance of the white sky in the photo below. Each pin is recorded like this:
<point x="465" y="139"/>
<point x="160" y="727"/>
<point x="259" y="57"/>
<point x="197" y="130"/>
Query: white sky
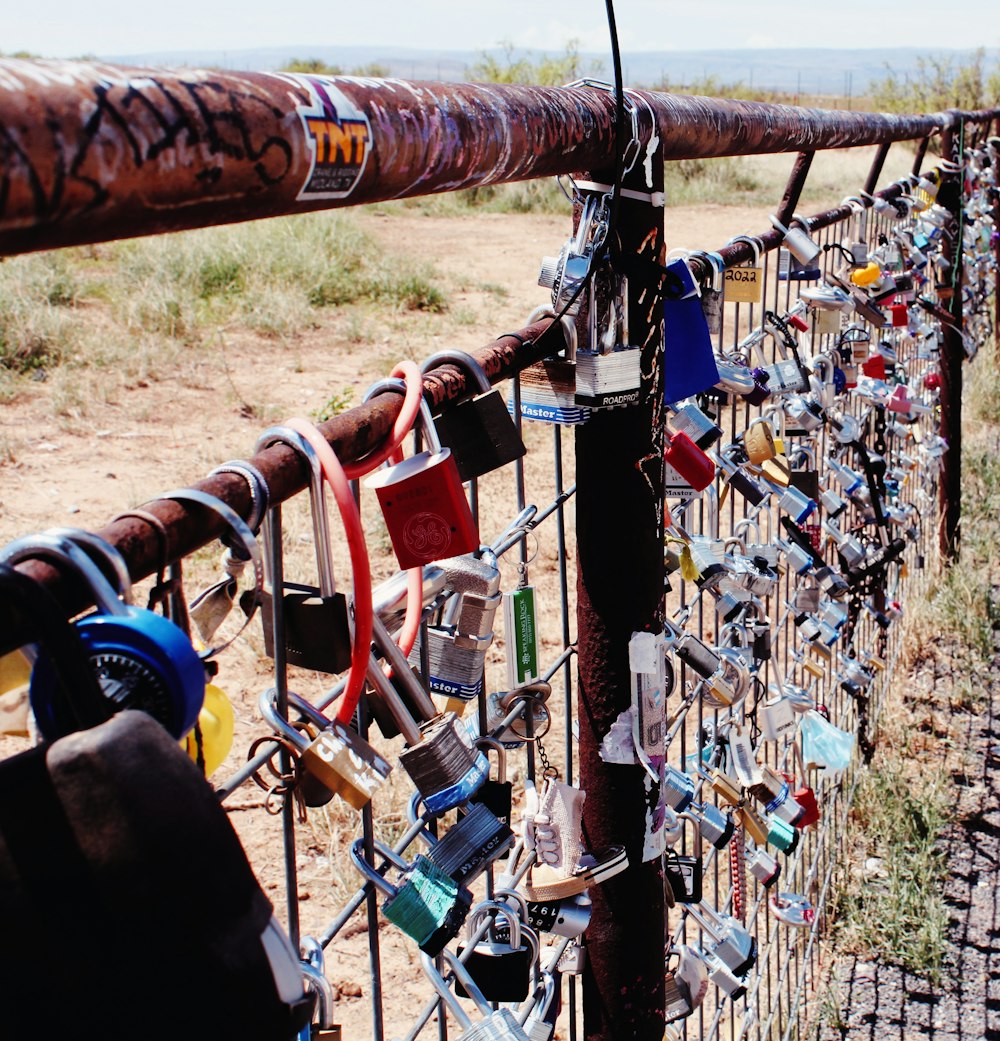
<point x="65" y="28"/>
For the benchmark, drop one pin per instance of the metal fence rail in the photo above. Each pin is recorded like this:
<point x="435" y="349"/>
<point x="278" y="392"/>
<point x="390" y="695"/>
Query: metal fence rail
<point x="91" y="152"/>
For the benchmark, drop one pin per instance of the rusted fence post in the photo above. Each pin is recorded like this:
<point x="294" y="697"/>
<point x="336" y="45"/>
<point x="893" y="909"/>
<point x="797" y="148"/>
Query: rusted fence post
<point x="952" y="349"/>
<point x="619" y="474"/>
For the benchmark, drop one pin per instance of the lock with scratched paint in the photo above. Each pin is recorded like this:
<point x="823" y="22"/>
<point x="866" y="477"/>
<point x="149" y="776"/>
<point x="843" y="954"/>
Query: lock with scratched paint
<point x="426" y="904"/>
<point x="546" y="390"/>
<point x="336" y="761"/>
<point x="424" y="504"/>
<point x="478" y="430"/>
<point x="686" y="985"/>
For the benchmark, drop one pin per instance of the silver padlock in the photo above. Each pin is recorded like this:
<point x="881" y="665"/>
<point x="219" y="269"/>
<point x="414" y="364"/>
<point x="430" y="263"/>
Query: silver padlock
<point x="456" y="649"/>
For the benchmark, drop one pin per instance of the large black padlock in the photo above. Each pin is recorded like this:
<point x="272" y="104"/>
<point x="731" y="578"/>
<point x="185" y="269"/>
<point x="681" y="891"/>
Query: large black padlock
<point x="500" y="968"/>
<point x="479" y="430"/>
<point x="316" y="634"/>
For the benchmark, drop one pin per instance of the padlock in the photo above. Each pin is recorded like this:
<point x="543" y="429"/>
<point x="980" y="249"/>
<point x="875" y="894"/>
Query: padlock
<point x="714" y="826"/>
<point x="142" y="659"/>
<point x="699" y="427"/>
<point x="546" y="390"/>
<point x="608" y="368"/>
<point x="781" y="834"/>
<point x="568" y="917"/>
<point x="796" y="504"/>
<point x="792" y="909"/>
<point x="567" y="275"/>
<point x="732" y="944"/>
<point x="774" y="792"/>
<point x="469" y="846"/>
<point x="762" y="866"/>
<point x="317" y="633"/>
<point x="737" y="478"/>
<point x="730" y="983"/>
<point x="752" y="822"/>
<point x="688" y="460"/>
<point x="456" y="649"/>
<point x="424" y="504"/>
<point x="758" y="441"/>
<point x="541" y="1021"/>
<point x="852" y="552"/>
<point x="337" y="761"/>
<point x="683" y="875"/>
<point x="798" y="244"/>
<point x="440" y="757"/>
<point x="776" y="715"/>
<point x="500" y="968"/>
<point x="499" y="1025"/>
<point x="478" y="430"/>
<point x="495" y="793"/>
<point x="314" y="973"/>
<point x="428" y="905"/>
<point x="686" y="986"/>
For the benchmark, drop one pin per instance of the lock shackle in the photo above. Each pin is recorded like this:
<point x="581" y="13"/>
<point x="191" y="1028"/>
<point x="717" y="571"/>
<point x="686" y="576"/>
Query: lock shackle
<point x="427" y="428"/>
<point x="734" y="627"/>
<point x="316" y="981"/>
<point x="320" y="518"/>
<point x="59" y="550"/>
<point x="753" y="241"/>
<point x="308" y="709"/>
<point x="247" y="541"/>
<point x="27" y="607"/>
<point x="479" y="913"/>
<point x="371" y="873"/>
<point x="492" y="743"/>
<point x="567" y="324"/>
<point x="386" y="692"/>
<point x="446" y="993"/>
<point x="463" y="361"/>
<point x="267" y="703"/>
<point x="92" y="544"/>
<point x="537" y="1006"/>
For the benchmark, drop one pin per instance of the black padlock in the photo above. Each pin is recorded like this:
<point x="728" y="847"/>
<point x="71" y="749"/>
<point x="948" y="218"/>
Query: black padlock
<point x="317" y="634"/>
<point x="683" y="875"/>
<point x="807" y="482"/>
<point x="479" y="430"/>
<point x="496" y="794"/>
<point x="500" y="968"/>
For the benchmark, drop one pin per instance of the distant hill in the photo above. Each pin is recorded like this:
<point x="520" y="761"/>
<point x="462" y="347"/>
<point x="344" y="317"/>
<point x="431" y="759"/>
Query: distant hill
<point x="810" y="71"/>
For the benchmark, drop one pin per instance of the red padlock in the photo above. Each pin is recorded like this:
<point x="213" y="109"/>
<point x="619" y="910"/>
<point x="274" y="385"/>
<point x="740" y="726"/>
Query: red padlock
<point x="899" y="400"/>
<point x="932" y="381"/>
<point x="424" y="504"/>
<point x="690" y="461"/>
<point x="900" y="315"/>
<point x="803" y="795"/>
<point x="798" y="322"/>
<point x="874" y="367"/>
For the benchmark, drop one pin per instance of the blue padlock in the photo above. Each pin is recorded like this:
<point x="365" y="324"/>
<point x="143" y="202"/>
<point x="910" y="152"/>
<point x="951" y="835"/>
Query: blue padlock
<point x="142" y="660"/>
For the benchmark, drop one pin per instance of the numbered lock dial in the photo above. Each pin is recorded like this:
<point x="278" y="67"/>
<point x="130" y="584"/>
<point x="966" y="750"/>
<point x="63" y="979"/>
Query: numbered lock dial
<point x="141" y="659"/>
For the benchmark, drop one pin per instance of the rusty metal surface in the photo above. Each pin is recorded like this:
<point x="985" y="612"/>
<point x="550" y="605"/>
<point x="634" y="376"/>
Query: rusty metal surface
<point x="793" y="189"/>
<point x="353" y="434"/>
<point x="91" y="151"/>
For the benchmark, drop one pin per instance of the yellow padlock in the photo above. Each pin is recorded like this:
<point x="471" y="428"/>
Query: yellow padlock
<point x="865" y="276"/>
<point x="212" y="738"/>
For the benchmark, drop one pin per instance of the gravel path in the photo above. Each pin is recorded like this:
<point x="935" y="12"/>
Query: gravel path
<point x="881" y="1002"/>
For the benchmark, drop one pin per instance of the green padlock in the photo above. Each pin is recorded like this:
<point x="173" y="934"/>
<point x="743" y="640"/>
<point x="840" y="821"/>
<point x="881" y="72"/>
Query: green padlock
<point x="781" y="835"/>
<point x="428" y="905"/>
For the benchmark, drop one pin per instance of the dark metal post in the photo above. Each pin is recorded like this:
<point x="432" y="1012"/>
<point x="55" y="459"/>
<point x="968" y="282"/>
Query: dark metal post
<point x="619" y="474"/>
<point x="918" y="159"/>
<point x="952" y="351"/>
<point x="793" y="189"/>
<point x="875" y="172"/>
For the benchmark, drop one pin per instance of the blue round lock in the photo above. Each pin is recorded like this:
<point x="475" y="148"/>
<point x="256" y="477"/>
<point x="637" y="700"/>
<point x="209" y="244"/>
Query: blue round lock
<point x="141" y="659"/>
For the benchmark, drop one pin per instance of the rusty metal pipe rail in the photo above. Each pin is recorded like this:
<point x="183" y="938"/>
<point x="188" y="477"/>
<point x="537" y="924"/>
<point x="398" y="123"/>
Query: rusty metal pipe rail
<point x="91" y="152"/>
<point x="353" y="434"/>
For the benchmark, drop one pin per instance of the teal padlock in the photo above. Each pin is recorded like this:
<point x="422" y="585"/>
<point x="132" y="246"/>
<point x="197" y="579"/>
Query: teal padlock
<point x="428" y="905"/>
<point x="781" y="835"/>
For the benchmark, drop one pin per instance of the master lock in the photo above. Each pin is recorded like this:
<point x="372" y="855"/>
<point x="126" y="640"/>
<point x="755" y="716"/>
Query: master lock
<point x="774" y="792"/>
<point x="762" y="866"/>
<point x="440" y="757"/>
<point x="456" y="649"/>
<point x="686" y="986"/>
<point x="500" y="1025"/>
<point x="317" y="633"/>
<point x="741" y="481"/>
<point x="732" y="944"/>
<point x="730" y="983"/>
<point x="849" y="548"/>
<point x="689" y="461"/>
<point x="546" y="390"/>
<point x="142" y="660"/>
<point x="701" y="428"/>
<point x="337" y="761"/>
<point x="500" y="968"/>
<point x="469" y="846"/>
<point x="479" y="430"/>
<point x="428" y="905"/>
<point x="424" y="504"/>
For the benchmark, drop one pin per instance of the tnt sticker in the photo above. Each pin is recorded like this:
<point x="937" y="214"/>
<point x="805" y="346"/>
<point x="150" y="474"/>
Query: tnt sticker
<point x="339" y="138"/>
